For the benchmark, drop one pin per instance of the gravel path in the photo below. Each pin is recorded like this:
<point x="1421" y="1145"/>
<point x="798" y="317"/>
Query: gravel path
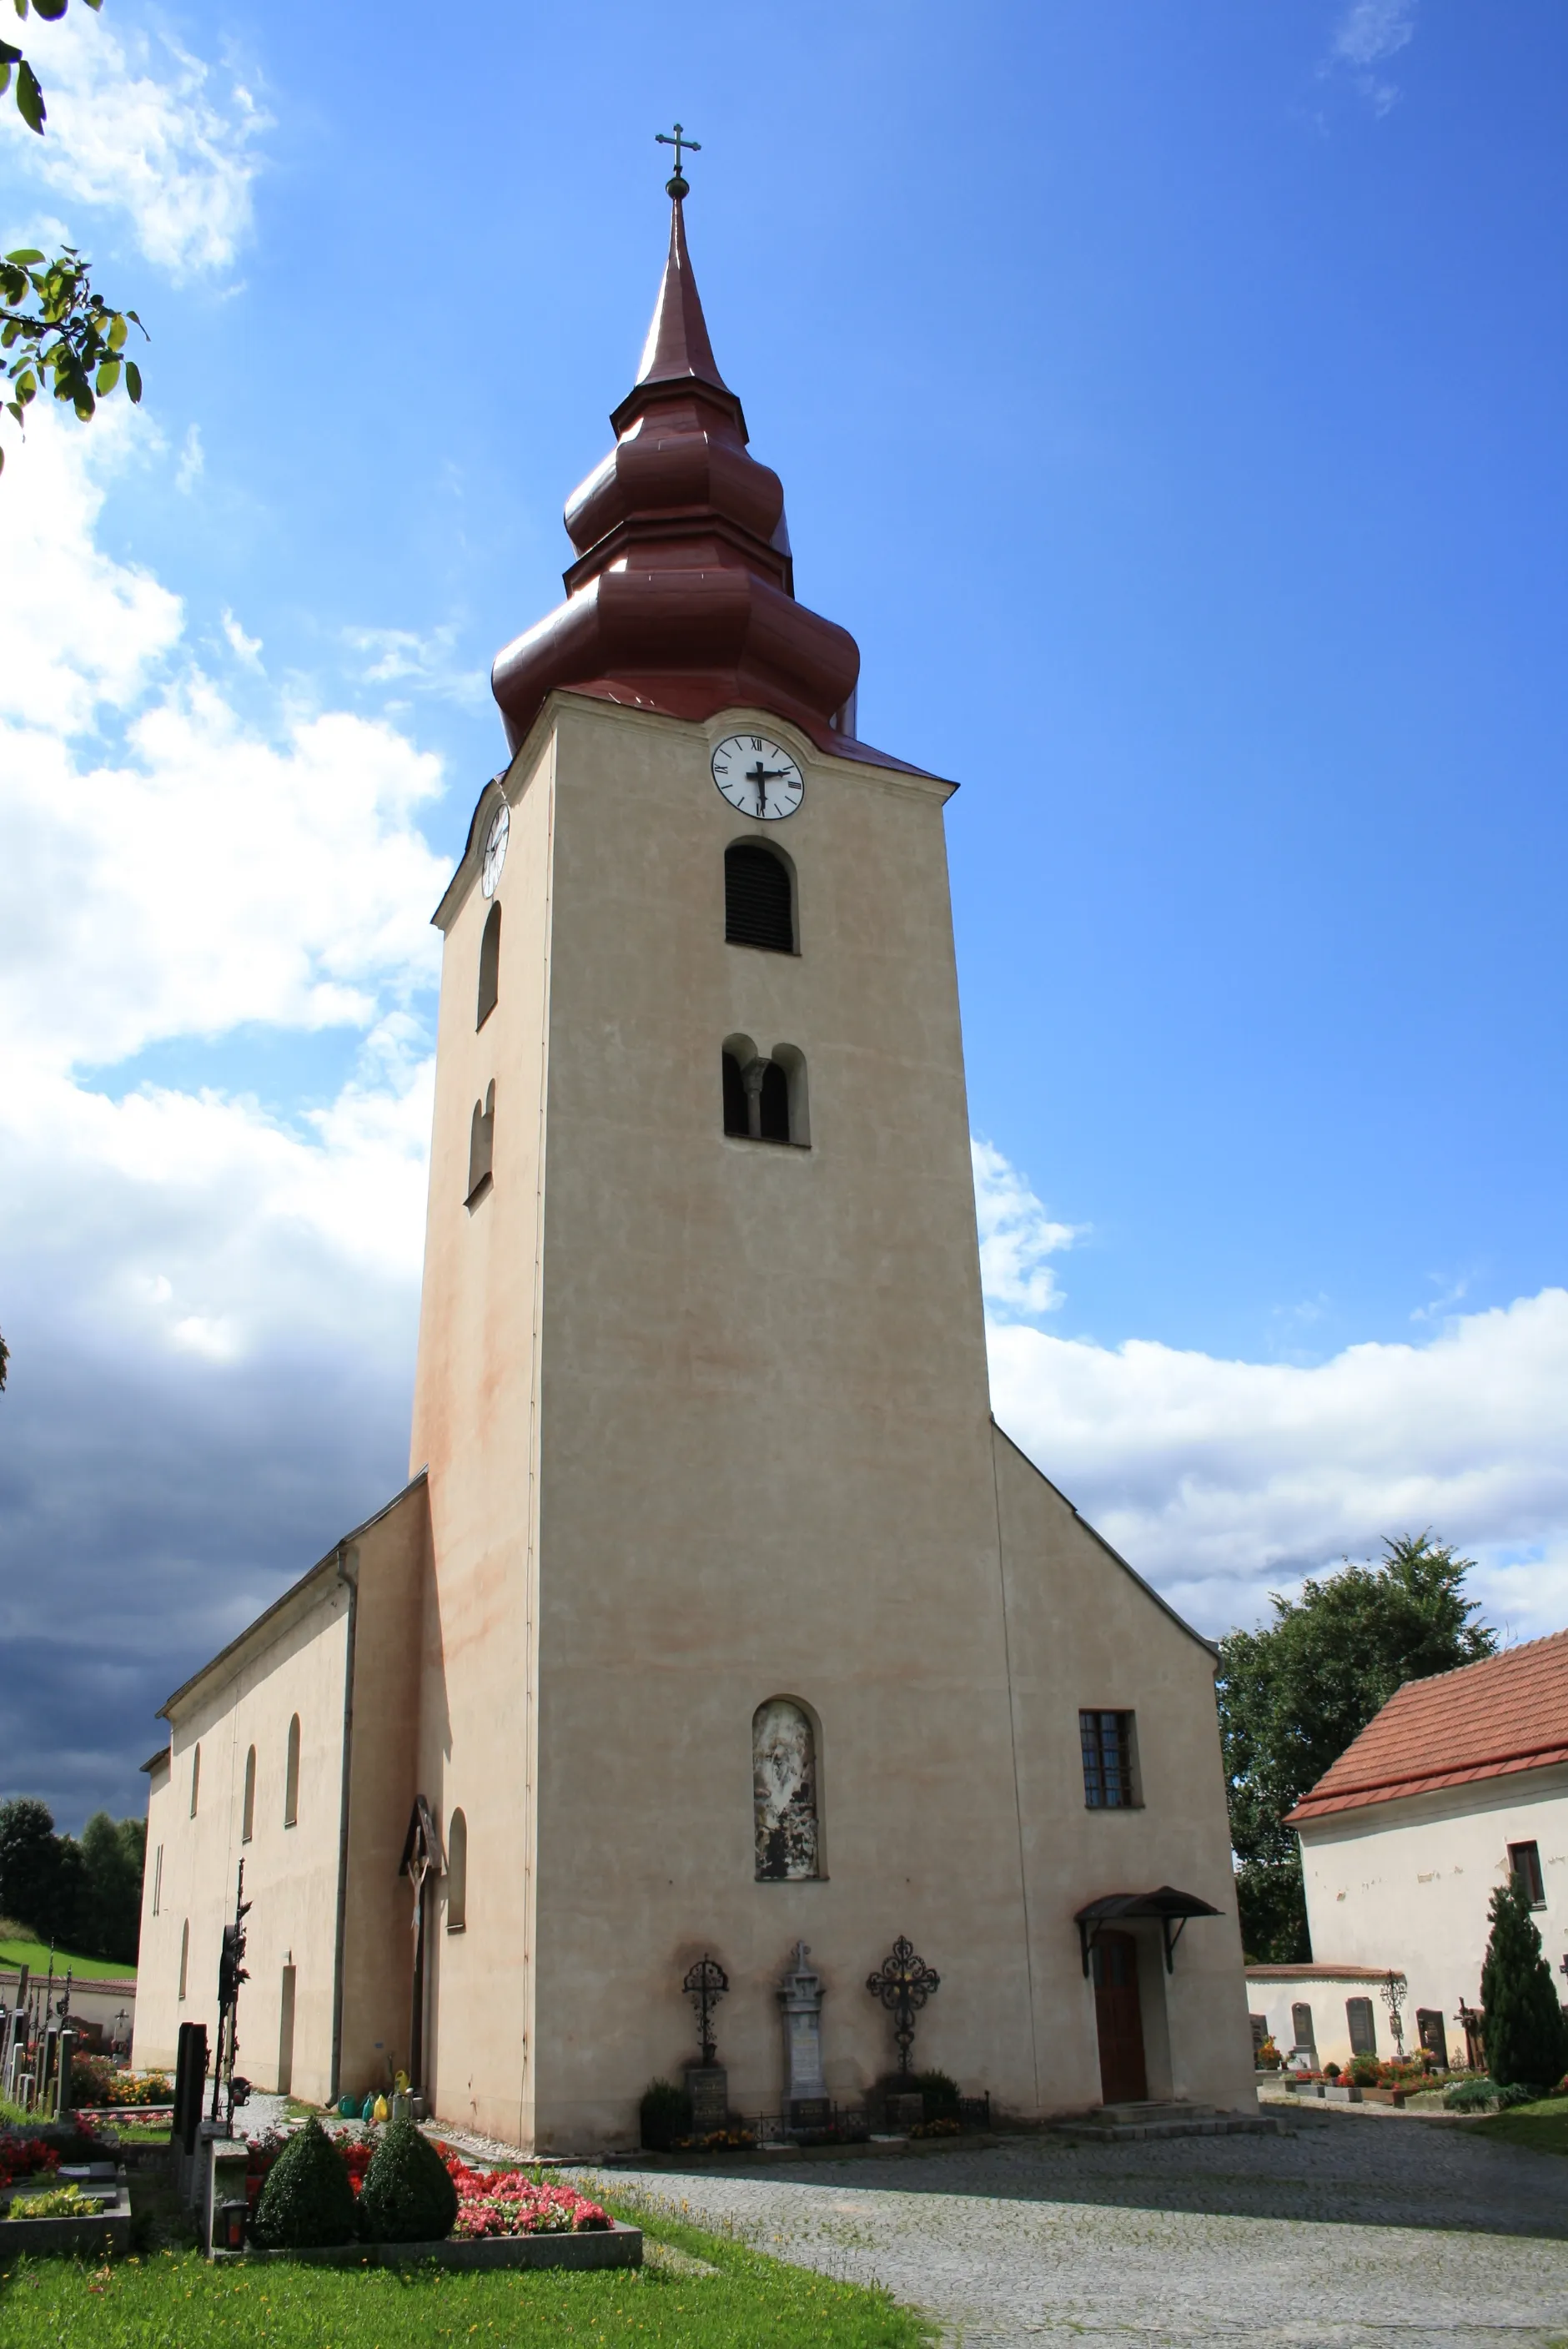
<point x="1340" y="2236"/>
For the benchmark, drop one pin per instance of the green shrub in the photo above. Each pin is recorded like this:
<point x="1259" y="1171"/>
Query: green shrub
<point x="1526" y="2036"/>
<point x="1469" y="2095"/>
<point x="665" y="2115"/>
<point x="408" y="2196"/>
<point x="307" y="2199"/>
<point x="941" y="2095"/>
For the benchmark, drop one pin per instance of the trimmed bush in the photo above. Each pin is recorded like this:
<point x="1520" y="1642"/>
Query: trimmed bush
<point x="1526" y="2036"/>
<point x="940" y="2093"/>
<point x="664" y="2114"/>
<point x="408" y="2196"/>
<point x="307" y="2201"/>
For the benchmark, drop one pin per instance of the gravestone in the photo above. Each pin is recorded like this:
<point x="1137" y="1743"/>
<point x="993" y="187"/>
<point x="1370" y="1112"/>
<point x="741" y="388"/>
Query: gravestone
<point x="800" y="2003"/>
<point x="707" y="2086"/>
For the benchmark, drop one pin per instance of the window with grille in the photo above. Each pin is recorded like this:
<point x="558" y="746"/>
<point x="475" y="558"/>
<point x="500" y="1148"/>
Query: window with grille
<point x="759" y="898"/>
<point x="1107" y="1739"/>
<point x="1524" y="1861"/>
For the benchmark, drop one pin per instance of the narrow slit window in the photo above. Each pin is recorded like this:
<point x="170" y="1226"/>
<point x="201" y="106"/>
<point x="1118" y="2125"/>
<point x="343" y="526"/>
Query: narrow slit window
<point x="482" y="1146"/>
<point x="248" y="1813"/>
<point x="489" y="966"/>
<point x="758" y="899"/>
<point x="184" y="1954"/>
<point x="195" y="1779"/>
<point x="290" y="1775"/>
<point x="1107" y="1741"/>
<point x="457" y="1874"/>
<point x="158" y="1881"/>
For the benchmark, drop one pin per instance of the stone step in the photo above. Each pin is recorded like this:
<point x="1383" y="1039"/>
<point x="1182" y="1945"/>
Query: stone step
<point x="1098" y="2128"/>
<point x="1167" y="2108"/>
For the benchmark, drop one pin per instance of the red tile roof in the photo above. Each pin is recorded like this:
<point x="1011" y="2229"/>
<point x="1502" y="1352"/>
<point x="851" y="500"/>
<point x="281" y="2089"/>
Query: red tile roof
<point x="1489" y="1720"/>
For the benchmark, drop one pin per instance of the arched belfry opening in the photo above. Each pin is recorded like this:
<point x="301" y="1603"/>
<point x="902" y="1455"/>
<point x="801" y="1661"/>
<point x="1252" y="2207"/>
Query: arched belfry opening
<point x="759" y="898"/>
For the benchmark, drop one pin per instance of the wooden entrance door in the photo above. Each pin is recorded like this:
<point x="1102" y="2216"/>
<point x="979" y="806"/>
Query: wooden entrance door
<point x="1119" y="2019"/>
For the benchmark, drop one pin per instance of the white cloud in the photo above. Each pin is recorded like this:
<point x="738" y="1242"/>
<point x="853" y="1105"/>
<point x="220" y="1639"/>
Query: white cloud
<point x="244" y="649"/>
<point x="192" y="461"/>
<point x="1372" y="29"/>
<point x="138" y="125"/>
<point x="1017" y="1238"/>
<point x="1368" y="32"/>
<point x="1222" y="1480"/>
<point x="427" y="663"/>
<point x="197" y="875"/>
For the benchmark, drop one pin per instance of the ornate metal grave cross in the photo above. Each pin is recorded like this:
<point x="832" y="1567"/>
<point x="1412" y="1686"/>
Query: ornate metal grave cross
<point x="678" y="186"/>
<point x="903" y="1982"/>
<point x="231" y="1974"/>
<point x="706" y="1981"/>
<point x="1393" y="1993"/>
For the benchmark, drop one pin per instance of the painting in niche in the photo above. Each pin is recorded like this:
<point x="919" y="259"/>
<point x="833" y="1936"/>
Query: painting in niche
<point x="784" y="1766"/>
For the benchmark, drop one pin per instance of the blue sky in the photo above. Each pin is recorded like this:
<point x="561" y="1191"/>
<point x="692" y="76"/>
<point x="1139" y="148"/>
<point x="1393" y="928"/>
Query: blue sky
<point x="1169" y="401"/>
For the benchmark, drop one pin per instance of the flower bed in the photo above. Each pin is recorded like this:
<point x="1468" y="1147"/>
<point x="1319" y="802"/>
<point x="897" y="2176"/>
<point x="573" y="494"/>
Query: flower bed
<point x="511" y="2202"/>
<point x="24" y="2157"/>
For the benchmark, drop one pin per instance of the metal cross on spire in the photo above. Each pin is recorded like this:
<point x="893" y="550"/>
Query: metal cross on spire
<point x="677" y="187"/>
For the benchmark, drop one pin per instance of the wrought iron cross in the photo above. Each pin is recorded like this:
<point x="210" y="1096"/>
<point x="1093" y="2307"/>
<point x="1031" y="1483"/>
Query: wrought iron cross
<point x="706" y="1981"/>
<point x="903" y="1982"/>
<point x="678" y="186"/>
<point x="1393" y="1993"/>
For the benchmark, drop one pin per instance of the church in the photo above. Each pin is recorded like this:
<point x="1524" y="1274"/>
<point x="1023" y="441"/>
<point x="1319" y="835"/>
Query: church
<point x="718" y="1618"/>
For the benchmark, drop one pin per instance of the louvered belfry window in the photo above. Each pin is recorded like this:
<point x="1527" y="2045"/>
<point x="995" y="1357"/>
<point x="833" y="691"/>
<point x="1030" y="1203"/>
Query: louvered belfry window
<point x="758" y="908"/>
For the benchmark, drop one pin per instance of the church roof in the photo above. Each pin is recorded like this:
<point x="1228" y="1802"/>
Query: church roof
<point x="681" y="595"/>
<point x="1492" y="1720"/>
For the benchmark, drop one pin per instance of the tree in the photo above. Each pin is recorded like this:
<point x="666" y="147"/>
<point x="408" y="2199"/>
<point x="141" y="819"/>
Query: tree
<point x="1294" y="1694"/>
<point x="30" y="1863"/>
<point x="109" y="1898"/>
<point x="51" y="321"/>
<point x="1526" y="2030"/>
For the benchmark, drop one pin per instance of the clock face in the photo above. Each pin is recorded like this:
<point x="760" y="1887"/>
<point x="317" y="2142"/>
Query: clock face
<point x="758" y="776"/>
<point x="495" y="848"/>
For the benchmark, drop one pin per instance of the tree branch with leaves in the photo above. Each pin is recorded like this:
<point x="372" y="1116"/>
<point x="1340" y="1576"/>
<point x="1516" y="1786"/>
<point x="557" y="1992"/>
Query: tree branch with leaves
<point x="54" y="328"/>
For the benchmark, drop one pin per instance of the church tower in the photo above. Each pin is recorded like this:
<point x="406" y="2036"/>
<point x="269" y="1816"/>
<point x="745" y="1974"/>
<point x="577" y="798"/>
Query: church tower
<point x="716" y="1645"/>
<point x="718" y="1620"/>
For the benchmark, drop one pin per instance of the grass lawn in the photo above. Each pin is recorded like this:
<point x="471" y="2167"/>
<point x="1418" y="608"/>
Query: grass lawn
<point x="174" y="2297"/>
<point x="36" y="1954"/>
<point x="1543" y="2125"/>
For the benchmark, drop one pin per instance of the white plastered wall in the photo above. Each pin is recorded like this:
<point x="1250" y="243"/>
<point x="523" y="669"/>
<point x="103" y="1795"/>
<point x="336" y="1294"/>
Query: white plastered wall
<point x="1407" y="1884"/>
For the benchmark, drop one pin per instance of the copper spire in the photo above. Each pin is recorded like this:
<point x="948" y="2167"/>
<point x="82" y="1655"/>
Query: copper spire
<point x="677" y="345"/>
<point x="682" y="597"/>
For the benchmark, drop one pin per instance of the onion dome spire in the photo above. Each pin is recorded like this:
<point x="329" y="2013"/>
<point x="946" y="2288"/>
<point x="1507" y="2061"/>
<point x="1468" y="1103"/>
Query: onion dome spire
<point x="682" y="595"/>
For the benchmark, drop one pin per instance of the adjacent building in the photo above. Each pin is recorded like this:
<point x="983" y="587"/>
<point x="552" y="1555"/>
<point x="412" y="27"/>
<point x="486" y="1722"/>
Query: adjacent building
<point x="1460" y="1781"/>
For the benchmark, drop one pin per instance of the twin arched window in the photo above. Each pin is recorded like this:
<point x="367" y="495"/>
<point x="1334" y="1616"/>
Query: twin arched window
<point x="764" y="1099"/>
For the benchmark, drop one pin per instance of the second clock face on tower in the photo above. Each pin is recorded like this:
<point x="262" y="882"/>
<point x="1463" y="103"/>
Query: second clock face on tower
<point x="758" y="776"/>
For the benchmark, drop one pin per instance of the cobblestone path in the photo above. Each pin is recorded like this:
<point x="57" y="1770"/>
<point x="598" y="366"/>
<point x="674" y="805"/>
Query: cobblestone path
<point x="1348" y="2233"/>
